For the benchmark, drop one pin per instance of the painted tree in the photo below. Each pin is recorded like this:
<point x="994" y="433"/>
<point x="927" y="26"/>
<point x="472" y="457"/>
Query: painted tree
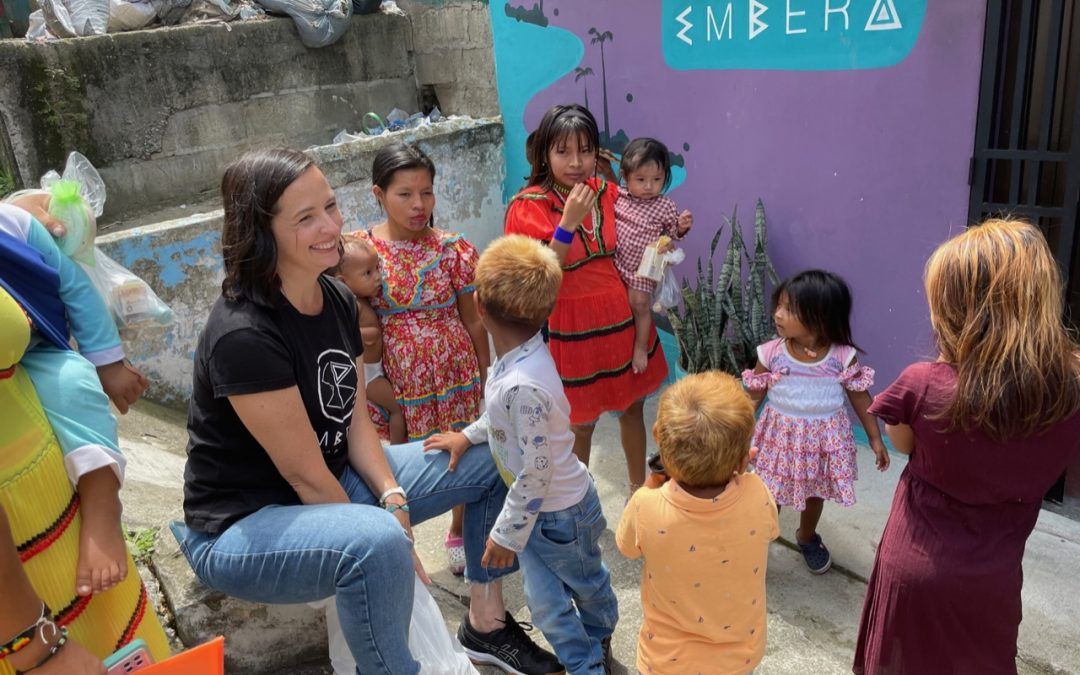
<point x="580" y="74"/>
<point x="601" y="38"/>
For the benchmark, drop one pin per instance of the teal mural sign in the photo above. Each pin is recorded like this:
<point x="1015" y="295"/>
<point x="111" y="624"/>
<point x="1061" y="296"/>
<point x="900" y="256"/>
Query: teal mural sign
<point x="789" y="34"/>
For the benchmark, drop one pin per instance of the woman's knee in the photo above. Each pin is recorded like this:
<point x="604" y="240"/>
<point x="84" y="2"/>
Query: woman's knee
<point x="377" y="539"/>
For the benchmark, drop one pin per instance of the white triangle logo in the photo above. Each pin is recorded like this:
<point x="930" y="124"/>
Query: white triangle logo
<point x="884" y="17"/>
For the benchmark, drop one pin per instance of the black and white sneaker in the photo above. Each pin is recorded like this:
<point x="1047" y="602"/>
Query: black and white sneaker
<point x="605" y="645"/>
<point x="508" y="648"/>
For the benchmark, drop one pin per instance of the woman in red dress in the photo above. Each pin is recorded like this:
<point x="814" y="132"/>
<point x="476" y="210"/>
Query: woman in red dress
<point x="592" y="328"/>
<point x="989" y="426"/>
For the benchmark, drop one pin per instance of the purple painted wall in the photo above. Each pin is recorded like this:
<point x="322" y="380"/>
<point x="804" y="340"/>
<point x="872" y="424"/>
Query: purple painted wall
<point x="862" y="172"/>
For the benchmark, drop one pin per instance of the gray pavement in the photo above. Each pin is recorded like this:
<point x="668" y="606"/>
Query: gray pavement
<point x="813" y="621"/>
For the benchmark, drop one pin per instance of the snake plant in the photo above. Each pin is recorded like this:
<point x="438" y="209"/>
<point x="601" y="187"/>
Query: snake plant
<point x="724" y="318"/>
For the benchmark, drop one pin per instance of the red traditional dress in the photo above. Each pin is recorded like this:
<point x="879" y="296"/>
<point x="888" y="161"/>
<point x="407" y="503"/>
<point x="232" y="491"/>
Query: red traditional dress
<point x="591" y="329"/>
<point x="428" y="355"/>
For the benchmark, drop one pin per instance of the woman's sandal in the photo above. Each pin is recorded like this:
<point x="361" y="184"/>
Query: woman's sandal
<point x="455" y="554"/>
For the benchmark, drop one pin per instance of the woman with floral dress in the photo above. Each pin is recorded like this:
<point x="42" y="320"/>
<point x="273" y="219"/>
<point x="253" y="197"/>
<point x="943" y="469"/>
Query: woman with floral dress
<point x="435" y="348"/>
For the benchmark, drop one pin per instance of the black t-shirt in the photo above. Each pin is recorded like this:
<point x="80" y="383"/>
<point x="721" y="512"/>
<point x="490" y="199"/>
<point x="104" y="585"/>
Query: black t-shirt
<point x="246" y="349"/>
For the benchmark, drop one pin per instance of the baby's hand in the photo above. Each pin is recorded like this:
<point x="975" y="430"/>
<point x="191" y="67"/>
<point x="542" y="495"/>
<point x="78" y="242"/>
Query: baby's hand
<point x="455" y="442"/>
<point x="685" y="222"/>
<point x="123" y="383"/>
<point x="496" y="556"/>
<point x="881" y="453"/>
<point x="37" y="204"/>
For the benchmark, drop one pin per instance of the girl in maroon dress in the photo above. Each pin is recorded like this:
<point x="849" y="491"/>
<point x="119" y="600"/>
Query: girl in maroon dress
<point x="989" y="427"/>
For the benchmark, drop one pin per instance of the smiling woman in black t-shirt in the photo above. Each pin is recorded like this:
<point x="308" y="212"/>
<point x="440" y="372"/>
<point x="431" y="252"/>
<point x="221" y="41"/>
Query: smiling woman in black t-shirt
<point x="288" y="494"/>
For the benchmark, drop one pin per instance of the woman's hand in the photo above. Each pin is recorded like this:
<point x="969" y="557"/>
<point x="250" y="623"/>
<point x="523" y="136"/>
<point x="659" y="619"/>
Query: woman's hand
<point x="577" y="207"/>
<point x="455" y="442"/>
<point x="403" y="518"/>
<point x="881" y="453"/>
<point x="605" y="162"/>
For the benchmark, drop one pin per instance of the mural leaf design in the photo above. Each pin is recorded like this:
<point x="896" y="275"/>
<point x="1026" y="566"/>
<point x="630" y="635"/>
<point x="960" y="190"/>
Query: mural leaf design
<point x="581" y="74"/>
<point x="600" y="38"/>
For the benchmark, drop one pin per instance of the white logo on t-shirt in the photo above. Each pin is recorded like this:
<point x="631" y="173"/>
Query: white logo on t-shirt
<point x="336" y="396"/>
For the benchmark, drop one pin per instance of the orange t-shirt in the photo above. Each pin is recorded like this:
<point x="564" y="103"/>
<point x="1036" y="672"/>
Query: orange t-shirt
<point x="703" y="584"/>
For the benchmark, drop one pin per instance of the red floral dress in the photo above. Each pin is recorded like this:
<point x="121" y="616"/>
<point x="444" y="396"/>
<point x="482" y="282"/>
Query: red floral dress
<point x="428" y="355"/>
<point x="592" y="328"/>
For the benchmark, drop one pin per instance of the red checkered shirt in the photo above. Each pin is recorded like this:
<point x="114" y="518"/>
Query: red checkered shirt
<point x="639" y="223"/>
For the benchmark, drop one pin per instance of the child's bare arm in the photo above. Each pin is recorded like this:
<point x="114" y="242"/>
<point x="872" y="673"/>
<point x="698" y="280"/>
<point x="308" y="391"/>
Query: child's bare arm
<point x="626" y="533"/>
<point x="860" y="401"/>
<point x="370" y="331"/>
<point x="470" y="317"/>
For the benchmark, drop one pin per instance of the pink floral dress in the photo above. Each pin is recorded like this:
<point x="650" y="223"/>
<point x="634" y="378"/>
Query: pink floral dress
<point x="428" y="355"/>
<point x="803" y="435"/>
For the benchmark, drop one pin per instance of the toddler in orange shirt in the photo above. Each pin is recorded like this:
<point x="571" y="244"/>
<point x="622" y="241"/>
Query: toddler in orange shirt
<point x="704" y="534"/>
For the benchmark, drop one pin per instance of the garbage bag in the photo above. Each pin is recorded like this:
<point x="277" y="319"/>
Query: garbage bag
<point x="130" y="15"/>
<point x="320" y="22"/>
<point x="38" y="30"/>
<point x="171" y="12"/>
<point x="76" y="18"/>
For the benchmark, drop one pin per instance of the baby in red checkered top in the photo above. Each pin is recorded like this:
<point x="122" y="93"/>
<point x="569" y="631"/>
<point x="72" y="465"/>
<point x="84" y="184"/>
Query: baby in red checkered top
<point x="642" y="216"/>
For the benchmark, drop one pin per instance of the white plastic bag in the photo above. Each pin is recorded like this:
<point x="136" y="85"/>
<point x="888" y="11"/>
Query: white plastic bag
<point x="76" y="18"/>
<point x="668" y="293"/>
<point x="130" y="15"/>
<point x="438" y="652"/>
<point x="129" y="298"/>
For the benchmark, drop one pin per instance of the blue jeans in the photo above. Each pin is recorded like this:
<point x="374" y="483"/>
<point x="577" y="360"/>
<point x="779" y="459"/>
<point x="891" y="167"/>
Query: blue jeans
<point x="357" y="552"/>
<point x="567" y="585"/>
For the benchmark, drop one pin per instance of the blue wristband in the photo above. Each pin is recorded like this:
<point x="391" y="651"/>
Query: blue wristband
<point x="563" y="236"/>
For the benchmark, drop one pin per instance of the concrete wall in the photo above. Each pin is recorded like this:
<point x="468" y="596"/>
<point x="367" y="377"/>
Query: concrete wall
<point x="453" y="54"/>
<point x="160" y="112"/>
<point x="181" y="259"/>
<point x="855" y="128"/>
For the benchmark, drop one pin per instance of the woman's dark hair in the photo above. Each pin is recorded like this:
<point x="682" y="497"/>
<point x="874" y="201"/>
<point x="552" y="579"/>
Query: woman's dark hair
<point x="250" y="190"/>
<point x="822" y="302"/>
<point x="642" y="151"/>
<point x="558" y="123"/>
<point x="400" y="157"/>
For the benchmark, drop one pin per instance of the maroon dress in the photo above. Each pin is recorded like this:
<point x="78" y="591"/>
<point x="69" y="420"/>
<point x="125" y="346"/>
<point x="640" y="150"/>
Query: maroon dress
<point x="944" y="596"/>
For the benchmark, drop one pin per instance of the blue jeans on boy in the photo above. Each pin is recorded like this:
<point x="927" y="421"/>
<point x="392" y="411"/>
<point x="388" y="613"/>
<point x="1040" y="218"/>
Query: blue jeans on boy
<point x="567" y="585"/>
<point x="357" y="551"/>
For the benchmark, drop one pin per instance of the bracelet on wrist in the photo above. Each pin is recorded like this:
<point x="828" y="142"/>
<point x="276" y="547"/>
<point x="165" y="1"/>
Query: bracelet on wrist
<point x="54" y="649"/>
<point x="563" y="236"/>
<point x="397" y="490"/>
<point x="26" y="636"/>
<point x="397" y="507"/>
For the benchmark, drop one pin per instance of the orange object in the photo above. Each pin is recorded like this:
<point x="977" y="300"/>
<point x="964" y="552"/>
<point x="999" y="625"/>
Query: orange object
<point x="206" y="659"/>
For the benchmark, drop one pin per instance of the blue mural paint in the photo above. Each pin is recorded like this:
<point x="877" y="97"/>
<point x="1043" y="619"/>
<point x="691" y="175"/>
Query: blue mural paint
<point x="172" y="259"/>
<point x="528" y="59"/>
<point x="789" y="34"/>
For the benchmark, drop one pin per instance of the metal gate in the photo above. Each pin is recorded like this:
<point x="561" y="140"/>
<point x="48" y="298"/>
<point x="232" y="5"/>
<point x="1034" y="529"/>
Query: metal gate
<point x="1027" y="139"/>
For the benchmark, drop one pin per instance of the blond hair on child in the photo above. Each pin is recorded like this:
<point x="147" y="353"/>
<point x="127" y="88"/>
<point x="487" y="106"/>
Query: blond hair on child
<point x="995" y="296"/>
<point x="517" y="281"/>
<point x="704" y="424"/>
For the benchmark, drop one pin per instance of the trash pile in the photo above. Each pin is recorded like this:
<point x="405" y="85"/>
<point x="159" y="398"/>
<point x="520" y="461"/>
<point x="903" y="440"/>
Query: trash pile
<point x="320" y="22"/>
<point x="397" y="120"/>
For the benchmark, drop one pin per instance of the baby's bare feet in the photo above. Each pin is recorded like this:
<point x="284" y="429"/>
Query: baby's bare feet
<point x="102" y="555"/>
